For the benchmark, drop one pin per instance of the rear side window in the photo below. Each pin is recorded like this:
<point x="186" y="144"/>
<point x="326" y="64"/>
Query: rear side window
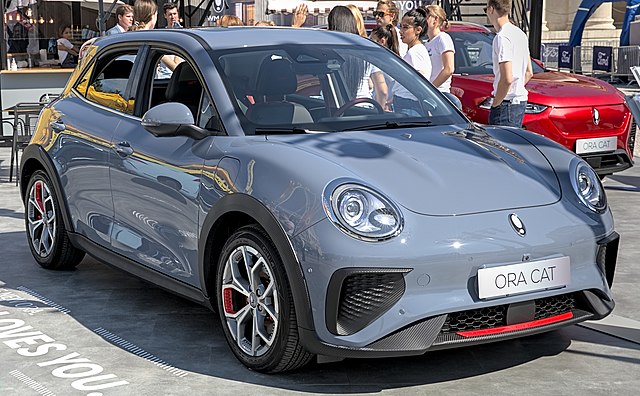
<point x="108" y="83"/>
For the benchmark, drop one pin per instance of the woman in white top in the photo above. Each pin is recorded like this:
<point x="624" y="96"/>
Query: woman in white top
<point x="441" y="51"/>
<point x="361" y="76"/>
<point x="67" y="52"/>
<point x="412" y="28"/>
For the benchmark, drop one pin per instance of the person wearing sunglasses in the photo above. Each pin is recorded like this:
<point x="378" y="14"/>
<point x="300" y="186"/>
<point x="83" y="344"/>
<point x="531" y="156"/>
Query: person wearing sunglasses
<point x="511" y="67"/>
<point x="412" y="29"/>
<point x="387" y="13"/>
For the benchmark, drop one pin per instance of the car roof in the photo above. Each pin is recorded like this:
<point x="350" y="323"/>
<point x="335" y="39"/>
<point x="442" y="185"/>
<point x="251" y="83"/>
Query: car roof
<point x="456" y="26"/>
<point x="243" y="36"/>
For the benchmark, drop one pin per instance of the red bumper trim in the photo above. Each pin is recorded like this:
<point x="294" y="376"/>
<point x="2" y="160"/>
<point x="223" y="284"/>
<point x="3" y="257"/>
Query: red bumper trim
<point x="516" y="327"/>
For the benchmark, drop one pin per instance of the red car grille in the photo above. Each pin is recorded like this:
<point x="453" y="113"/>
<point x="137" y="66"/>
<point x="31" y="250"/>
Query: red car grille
<point x="580" y="122"/>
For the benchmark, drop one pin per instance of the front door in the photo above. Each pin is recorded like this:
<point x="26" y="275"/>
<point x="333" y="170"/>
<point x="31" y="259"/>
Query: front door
<point x="156" y="184"/>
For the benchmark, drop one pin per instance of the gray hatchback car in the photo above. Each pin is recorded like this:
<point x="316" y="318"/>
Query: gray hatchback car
<point x="268" y="178"/>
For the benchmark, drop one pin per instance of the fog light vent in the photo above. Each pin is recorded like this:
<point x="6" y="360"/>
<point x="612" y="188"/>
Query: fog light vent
<point x="607" y="256"/>
<point x="363" y="297"/>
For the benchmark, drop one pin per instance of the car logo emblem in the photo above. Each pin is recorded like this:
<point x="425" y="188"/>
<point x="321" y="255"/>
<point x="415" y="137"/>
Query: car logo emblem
<point x="596" y="116"/>
<point x="517" y="224"/>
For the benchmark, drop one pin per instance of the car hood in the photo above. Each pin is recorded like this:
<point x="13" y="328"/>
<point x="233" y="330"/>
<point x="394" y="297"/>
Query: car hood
<point x="559" y="89"/>
<point x="440" y="171"/>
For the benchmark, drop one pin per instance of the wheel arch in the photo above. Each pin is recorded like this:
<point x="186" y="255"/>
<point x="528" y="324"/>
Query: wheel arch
<point x="232" y="212"/>
<point x="35" y="158"/>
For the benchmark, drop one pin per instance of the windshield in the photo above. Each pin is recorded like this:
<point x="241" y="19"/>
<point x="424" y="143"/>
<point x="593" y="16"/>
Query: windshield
<point x="473" y="53"/>
<point x="328" y="88"/>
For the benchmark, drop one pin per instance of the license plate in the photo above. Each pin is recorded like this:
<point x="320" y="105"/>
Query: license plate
<point x="596" y="145"/>
<point x="526" y="277"/>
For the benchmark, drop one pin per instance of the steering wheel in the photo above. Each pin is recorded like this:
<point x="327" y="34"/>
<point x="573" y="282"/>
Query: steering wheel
<point x="340" y="112"/>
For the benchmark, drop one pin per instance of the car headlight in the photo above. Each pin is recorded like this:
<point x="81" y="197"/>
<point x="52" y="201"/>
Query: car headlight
<point x="486" y="104"/>
<point x="361" y="212"/>
<point x="587" y="186"/>
<point x="534" y="108"/>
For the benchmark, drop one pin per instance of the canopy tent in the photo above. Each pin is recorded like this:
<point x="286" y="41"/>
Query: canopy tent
<point x="588" y="7"/>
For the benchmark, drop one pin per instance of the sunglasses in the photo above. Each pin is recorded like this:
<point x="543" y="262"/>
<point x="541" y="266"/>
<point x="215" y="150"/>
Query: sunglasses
<point x="379" y="14"/>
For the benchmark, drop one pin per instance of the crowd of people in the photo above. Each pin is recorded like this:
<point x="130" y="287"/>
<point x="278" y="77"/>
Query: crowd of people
<point x="419" y="37"/>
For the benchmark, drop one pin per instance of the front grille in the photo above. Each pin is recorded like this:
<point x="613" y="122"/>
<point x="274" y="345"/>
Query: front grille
<point x="489" y="317"/>
<point x="358" y="296"/>
<point x="476" y="319"/>
<point x="552" y="306"/>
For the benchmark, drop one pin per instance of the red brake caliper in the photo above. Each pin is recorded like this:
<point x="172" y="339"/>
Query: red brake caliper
<point x="228" y="301"/>
<point x="38" y="197"/>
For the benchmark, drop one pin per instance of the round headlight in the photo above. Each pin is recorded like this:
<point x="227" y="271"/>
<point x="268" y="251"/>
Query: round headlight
<point x="362" y="212"/>
<point x="587" y="186"/>
<point x="353" y="208"/>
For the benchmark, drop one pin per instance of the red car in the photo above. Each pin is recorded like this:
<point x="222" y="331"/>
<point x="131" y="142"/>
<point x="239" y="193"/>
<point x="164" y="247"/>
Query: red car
<point x="588" y="116"/>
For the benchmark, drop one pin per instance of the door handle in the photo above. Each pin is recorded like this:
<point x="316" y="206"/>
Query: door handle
<point x="124" y="149"/>
<point x="58" y="126"/>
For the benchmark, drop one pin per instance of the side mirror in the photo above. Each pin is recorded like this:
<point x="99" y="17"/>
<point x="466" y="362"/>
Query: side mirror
<point x="172" y="119"/>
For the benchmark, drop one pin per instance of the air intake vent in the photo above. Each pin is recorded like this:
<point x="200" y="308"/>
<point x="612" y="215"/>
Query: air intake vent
<point x="363" y="296"/>
<point x="489" y="317"/>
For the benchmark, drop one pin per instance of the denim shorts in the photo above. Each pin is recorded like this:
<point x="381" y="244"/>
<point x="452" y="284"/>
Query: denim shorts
<point x="508" y="114"/>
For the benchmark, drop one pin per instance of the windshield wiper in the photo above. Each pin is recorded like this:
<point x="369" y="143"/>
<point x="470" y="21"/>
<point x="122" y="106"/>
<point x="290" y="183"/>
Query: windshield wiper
<point x="281" y="131"/>
<point x="391" y="125"/>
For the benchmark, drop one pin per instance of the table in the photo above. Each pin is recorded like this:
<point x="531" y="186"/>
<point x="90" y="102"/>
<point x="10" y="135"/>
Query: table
<point x="26" y="110"/>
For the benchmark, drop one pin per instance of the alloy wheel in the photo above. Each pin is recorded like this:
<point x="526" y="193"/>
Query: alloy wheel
<point x="42" y="218"/>
<point x="250" y="300"/>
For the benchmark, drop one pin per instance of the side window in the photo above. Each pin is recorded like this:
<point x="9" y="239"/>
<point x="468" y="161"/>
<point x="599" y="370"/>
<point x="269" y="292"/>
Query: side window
<point x="174" y="80"/>
<point x="208" y="118"/>
<point x="109" y="83"/>
<point x="83" y="82"/>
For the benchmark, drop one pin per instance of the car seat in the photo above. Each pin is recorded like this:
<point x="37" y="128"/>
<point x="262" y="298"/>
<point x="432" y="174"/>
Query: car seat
<point x="276" y="78"/>
<point x="185" y="88"/>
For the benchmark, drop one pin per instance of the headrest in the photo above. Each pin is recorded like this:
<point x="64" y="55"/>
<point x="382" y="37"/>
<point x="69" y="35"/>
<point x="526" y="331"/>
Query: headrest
<point x="182" y="77"/>
<point x="120" y="68"/>
<point x="276" y="77"/>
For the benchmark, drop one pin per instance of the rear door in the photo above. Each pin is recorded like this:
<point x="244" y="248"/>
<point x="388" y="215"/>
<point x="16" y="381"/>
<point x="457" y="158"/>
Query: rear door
<point x="87" y="119"/>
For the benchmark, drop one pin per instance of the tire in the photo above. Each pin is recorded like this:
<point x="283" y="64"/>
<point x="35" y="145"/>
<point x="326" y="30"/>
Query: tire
<point x="47" y="236"/>
<point x="260" y="304"/>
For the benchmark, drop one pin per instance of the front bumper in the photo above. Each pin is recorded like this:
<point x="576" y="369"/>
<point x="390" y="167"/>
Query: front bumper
<point x="427" y="301"/>
<point x="608" y="163"/>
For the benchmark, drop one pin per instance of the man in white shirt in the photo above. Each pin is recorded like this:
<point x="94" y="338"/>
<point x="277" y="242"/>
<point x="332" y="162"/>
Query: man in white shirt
<point x="124" y="15"/>
<point x="511" y="67"/>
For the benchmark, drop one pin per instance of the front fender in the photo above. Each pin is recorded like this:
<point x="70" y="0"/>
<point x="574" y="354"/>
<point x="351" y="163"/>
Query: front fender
<point x="249" y="206"/>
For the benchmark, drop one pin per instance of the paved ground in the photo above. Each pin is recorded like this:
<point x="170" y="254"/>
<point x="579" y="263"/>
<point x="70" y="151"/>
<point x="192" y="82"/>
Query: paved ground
<point x="114" y="335"/>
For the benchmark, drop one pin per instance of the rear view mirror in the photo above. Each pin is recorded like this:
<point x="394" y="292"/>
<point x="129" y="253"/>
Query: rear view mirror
<point x="172" y="119"/>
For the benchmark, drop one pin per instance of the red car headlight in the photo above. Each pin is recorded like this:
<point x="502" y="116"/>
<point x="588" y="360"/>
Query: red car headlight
<point x="532" y="108"/>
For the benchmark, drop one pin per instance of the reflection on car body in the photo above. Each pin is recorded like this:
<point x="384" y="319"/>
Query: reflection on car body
<point x="257" y="182"/>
